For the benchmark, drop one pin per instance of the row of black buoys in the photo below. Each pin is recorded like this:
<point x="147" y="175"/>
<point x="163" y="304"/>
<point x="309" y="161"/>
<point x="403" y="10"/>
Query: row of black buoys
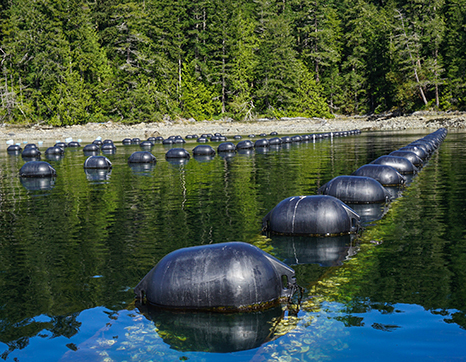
<point x="219" y="277"/>
<point x="364" y="191"/>
<point x="238" y="276"/>
<point x="311" y="215"/>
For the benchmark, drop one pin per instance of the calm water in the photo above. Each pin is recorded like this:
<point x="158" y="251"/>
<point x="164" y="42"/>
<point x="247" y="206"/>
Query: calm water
<point x="71" y="255"/>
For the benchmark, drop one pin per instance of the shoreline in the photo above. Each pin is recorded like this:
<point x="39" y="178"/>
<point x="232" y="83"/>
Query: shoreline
<point x="288" y="126"/>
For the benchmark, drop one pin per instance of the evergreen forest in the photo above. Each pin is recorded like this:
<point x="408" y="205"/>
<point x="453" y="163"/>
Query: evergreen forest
<point x="66" y="62"/>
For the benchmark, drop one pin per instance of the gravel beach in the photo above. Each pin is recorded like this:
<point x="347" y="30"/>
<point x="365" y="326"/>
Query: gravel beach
<point x="285" y="126"/>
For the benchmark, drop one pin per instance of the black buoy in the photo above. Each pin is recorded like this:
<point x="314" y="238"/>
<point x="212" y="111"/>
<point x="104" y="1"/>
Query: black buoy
<point x="237" y="137"/>
<point x="244" y="145"/>
<point x="355" y="189"/>
<point x="261" y="143"/>
<point x="91" y="148"/>
<point x="37" y="169"/>
<point x="386" y="175"/>
<point x="97" y="162"/>
<point x="126" y="141"/>
<point x="226" y="147"/>
<point x="142" y="157"/>
<point x="146" y="144"/>
<point x="415" y="159"/>
<point x="61" y="144"/>
<point x="31" y="152"/>
<point x="222" y="277"/>
<point x="97" y="142"/>
<point x="275" y="141"/>
<point x="417" y="150"/>
<point x="30" y="145"/>
<point x="296" y="138"/>
<point x="14" y="149"/>
<point x="54" y="150"/>
<point x="202" y="140"/>
<point x="203" y="150"/>
<point x="74" y="144"/>
<point x="110" y="146"/>
<point x="286" y="139"/>
<point x="135" y="141"/>
<point x="401" y="164"/>
<point x="168" y="141"/>
<point x="177" y="153"/>
<point x="311" y="215"/>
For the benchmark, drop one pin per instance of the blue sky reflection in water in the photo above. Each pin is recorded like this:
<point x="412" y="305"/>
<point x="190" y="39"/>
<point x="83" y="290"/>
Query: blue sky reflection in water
<point x="400" y="295"/>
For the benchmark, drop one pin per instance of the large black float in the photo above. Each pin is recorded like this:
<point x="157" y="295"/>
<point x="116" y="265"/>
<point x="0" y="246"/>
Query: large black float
<point x="97" y="162"/>
<point x="142" y="157"/>
<point x="401" y="164"/>
<point x="355" y="189"/>
<point x="312" y="216"/>
<point x="37" y="169"/>
<point x="386" y="175"/>
<point x="218" y="277"/>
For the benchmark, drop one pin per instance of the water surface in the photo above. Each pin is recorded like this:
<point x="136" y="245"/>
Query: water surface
<point x="72" y="252"/>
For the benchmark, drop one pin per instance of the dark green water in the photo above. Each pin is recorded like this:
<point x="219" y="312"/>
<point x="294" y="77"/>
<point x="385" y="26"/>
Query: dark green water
<point x="70" y="257"/>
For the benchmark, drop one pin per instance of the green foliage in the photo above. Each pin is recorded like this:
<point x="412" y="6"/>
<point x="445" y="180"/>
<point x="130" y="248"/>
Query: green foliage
<point x="196" y="97"/>
<point x="70" y="62"/>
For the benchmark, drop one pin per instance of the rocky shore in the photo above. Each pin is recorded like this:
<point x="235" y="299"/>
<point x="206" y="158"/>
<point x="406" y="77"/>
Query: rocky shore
<point x="118" y="131"/>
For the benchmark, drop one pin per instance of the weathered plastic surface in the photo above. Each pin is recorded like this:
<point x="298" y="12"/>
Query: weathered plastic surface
<point x="203" y="150"/>
<point x="14" y="149"/>
<point x="355" y="189"/>
<point x="96" y="162"/>
<point x="244" y="145"/>
<point x="142" y="157"/>
<point x="263" y="142"/>
<point x="222" y="277"/>
<point x="401" y="164"/>
<point x="311" y="215"/>
<point x="417" y="150"/>
<point x="226" y="147"/>
<point x="415" y="159"/>
<point x="275" y="141"/>
<point x="177" y="153"/>
<point x="146" y="144"/>
<point x="55" y="150"/>
<point x="386" y="175"/>
<point x="108" y="147"/>
<point x="91" y="148"/>
<point x="37" y="169"/>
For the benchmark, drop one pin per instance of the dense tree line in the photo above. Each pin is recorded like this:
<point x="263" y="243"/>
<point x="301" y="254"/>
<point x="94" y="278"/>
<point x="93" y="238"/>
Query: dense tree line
<point x="74" y="61"/>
